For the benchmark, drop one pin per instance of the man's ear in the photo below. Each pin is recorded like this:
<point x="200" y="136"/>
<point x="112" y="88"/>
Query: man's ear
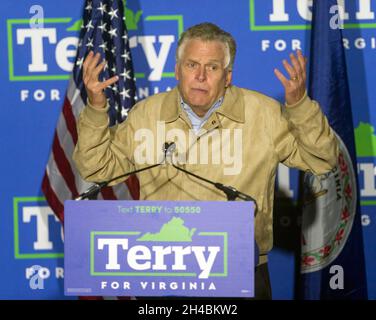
<point x="176" y="71"/>
<point x="228" y="77"/>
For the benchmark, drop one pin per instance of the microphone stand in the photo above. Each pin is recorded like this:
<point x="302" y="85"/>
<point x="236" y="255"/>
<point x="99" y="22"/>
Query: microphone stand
<point x="93" y="191"/>
<point x="231" y="193"/>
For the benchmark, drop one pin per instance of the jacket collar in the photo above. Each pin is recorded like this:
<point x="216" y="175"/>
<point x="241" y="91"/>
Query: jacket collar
<point x="232" y="106"/>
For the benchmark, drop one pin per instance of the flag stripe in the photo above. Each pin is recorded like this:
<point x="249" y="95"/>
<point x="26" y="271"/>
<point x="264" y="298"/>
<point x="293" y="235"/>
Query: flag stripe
<point x="56" y="181"/>
<point x="134" y="187"/>
<point x="108" y="193"/>
<point x="53" y="200"/>
<point x="122" y="191"/>
<point x="74" y="98"/>
<point x="65" y="139"/>
<point x="63" y="165"/>
<point x="70" y="120"/>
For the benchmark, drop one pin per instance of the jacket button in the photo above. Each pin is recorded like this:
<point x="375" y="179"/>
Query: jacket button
<point x="214" y="122"/>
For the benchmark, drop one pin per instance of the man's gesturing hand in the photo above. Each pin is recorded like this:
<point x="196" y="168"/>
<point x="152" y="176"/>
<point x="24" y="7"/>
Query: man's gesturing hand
<point x="295" y="87"/>
<point x="94" y="87"/>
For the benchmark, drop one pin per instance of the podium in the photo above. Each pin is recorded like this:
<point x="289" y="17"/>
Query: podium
<point x="160" y="248"/>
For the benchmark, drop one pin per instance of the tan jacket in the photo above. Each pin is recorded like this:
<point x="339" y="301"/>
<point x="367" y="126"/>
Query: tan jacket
<point x="298" y="136"/>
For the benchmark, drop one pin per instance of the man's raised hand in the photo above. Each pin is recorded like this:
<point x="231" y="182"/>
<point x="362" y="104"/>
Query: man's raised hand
<point x="94" y="88"/>
<point x="295" y="87"/>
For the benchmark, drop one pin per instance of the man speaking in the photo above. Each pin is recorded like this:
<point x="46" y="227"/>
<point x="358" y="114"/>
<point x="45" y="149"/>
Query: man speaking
<point x="225" y="133"/>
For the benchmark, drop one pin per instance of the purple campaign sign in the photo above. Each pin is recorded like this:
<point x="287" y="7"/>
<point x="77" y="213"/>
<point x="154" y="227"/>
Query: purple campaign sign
<point x="159" y="248"/>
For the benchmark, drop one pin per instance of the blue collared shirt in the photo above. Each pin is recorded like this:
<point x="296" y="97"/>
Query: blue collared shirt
<point x="198" y="122"/>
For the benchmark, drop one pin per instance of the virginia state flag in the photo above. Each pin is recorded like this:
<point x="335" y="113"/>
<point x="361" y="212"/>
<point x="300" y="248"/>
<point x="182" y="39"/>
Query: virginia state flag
<point x="332" y="261"/>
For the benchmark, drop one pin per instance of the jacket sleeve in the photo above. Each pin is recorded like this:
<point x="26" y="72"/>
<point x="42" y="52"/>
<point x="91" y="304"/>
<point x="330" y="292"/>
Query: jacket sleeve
<point x="303" y="138"/>
<point x="102" y="153"/>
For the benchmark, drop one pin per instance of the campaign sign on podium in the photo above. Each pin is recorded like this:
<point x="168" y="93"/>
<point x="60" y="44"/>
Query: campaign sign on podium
<point x="159" y="248"/>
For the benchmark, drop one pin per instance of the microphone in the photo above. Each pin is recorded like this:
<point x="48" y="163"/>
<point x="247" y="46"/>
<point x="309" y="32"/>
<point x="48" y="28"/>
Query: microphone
<point x="92" y="192"/>
<point x="169" y="148"/>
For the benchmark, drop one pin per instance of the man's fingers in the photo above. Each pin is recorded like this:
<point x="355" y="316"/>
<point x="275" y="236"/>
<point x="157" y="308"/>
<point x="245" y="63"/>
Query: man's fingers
<point x="94" y="62"/>
<point x="302" y="60"/>
<point x="296" y="65"/>
<point x="290" y="70"/>
<point x="295" y="85"/>
<point x="98" y="69"/>
<point x="281" y="78"/>
<point x="303" y="64"/>
<point x="87" y="60"/>
<point x="109" y="82"/>
<point x="91" y="73"/>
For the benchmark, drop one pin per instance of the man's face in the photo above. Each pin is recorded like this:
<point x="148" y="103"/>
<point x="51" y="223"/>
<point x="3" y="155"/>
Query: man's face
<point x="201" y="73"/>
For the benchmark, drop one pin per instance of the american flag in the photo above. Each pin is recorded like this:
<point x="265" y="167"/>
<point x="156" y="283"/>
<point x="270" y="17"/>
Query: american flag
<point x="102" y="30"/>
